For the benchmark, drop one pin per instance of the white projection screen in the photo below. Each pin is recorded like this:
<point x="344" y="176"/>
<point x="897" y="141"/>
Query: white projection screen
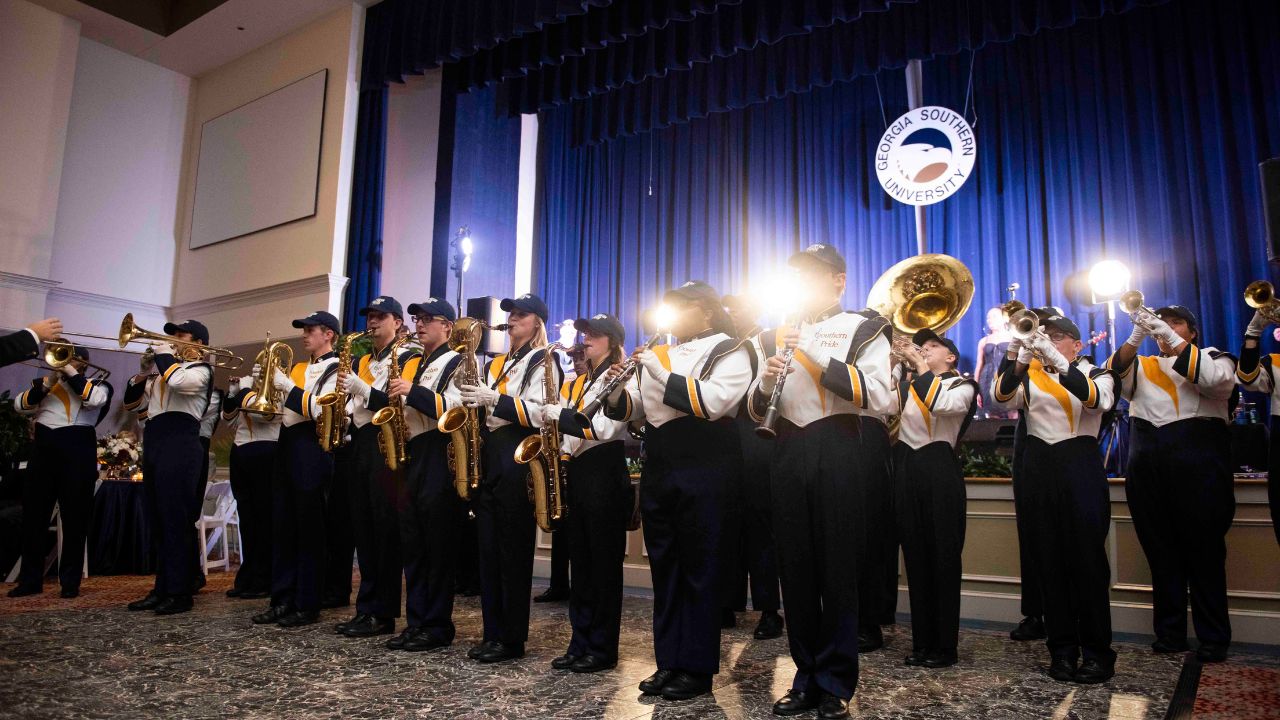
<point x="259" y="164"/>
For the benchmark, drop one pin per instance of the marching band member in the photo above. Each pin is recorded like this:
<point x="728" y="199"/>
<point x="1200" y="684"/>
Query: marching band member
<point x="513" y="396"/>
<point x="600" y="499"/>
<point x="25" y="344"/>
<point x="174" y="401"/>
<point x="373" y="488"/>
<point x="63" y="466"/>
<point x="1063" y="396"/>
<point x="821" y="465"/>
<point x="340" y="544"/>
<point x="686" y="394"/>
<point x="1257" y="373"/>
<point x="430" y="509"/>
<point x="929" y="493"/>
<point x="1180" y="485"/>
<point x="253" y="463"/>
<point x="878" y="562"/>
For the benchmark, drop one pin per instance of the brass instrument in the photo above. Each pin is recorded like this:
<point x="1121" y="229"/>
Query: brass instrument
<point x="58" y="353"/>
<point x="1261" y="296"/>
<point x="1131" y="304"/>
<point x="331" y="427"/>
<point x="187" y="350"/>
<point x="462" y="423"/>
<point x="1024" y="325"/>
<point x="541" y="453"/>
<point x="925" y="292"/>
<point x="269" y="401"/>
<point x="393" y="434"/>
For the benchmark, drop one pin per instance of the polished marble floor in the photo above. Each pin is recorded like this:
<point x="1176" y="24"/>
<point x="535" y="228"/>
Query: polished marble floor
<point x="106" y="662"/>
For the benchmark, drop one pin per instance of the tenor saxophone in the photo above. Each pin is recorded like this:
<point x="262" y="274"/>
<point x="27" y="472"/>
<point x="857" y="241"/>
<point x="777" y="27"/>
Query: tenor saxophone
<point x="331" y="428"/>
<point x="462" y="423"/>
<point x="541" y="453"/>
<point x="393" y="434"/>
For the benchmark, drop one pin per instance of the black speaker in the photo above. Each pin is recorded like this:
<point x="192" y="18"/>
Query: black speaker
<point x="1269" y="174"/>
<point x="489" y="310"/>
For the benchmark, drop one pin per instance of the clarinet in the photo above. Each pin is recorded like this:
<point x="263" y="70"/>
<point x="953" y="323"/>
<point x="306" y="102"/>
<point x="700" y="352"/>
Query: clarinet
<point x="629" y="366"/>
<point x="766" y="427"/>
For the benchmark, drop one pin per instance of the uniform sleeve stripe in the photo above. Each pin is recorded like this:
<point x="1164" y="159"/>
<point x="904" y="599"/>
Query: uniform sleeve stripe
<point x="995" y="390"/>
<point x="439" y="404"/>
<point x="1092" y="400"/>
<point x="26" y="405"/>
<point x="1248" y="377"/>
<point x="88" y="388"/>
<point x="169" y="372"/>
<point x="520" y="412"/>
<point x="306" y="405"/>
<point x="695" y="397"/>
<point x="935" y="389"/>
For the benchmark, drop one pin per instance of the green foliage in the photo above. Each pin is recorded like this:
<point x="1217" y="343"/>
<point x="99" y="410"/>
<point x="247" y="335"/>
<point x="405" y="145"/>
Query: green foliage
<point x="13" y="429"/>
<point x="220" y="446"/>
<point x="979" y="462"/>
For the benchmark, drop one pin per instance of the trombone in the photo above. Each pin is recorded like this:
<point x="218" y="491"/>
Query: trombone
<point x="58" y="353"/>
<point x="188" y="350"/>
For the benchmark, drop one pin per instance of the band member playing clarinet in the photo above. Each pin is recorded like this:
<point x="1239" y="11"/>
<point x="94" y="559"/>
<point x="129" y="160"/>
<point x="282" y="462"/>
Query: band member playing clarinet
<point x="1179" y="481"/>
<point x="1257" y="372"/>
<point x="687" y="394"/>
<point x="929" y="494"/>
<point x="839" y="371"/>
<point x="1068" y="510"/>
<point x="514" y="396"/>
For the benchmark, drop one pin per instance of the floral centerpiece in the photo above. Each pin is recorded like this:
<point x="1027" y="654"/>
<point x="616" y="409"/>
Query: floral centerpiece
<point x="119" y="455"/>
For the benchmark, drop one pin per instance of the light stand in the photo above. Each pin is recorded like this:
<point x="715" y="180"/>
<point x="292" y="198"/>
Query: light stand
<point x="460" y="248"/>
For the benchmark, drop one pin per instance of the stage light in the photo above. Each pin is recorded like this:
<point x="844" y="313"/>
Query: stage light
<point x="779" y="294"/>
<point x="661" y="317"/>
<point x="467" y="247"/>
<point x="568" y="334"/>
<point x="1108" y="279"/>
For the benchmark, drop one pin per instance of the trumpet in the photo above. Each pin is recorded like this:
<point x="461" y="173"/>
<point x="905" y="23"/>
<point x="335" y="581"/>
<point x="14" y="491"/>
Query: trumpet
<point x="1131" y="304"/>
<point x="58" y="353"/>
<point x="1261" y="296"/>
<point x="188" y="350"/>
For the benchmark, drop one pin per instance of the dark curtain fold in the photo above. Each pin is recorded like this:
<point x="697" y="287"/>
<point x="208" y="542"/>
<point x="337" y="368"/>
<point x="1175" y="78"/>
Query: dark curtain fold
<point x="364" y="237"/>
<point x="1135" y="137"/>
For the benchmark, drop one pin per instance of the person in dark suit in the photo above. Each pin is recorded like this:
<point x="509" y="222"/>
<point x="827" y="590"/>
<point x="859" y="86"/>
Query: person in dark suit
<point x="25" y="344"/>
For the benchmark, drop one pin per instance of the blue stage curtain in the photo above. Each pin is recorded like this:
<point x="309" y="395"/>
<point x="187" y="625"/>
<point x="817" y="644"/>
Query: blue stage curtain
<point x="364" y="236"/>
<point x="1134" y="137"/>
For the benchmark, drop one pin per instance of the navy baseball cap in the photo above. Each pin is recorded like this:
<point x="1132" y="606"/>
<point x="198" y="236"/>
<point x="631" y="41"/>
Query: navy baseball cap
<point x="1062" y="323"/>
<point x="434" y="307"/>
<point x="1179" y="311"/>
<point x="319" y="317"/>
<point x="604" y="324"/>
<point x="527" y="302"/>
<point x="819" y="253"/>
<point x="694" y="291"/>
<point x="923" y="336"/>
<point x="194" y="327"/>
<point x="383" y="304"/>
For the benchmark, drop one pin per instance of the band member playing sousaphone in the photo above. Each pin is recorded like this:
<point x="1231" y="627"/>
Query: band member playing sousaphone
<point x="687" y="393"/>
<point x="512" y="391"/>
<point x="835" y="367"/>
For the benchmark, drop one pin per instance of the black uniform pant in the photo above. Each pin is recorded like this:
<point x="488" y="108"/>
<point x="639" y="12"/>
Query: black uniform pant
<point x="687" y="476"/>
<point x="561" y="554"/>
<point x="430" y="518"/>
<point x="733" y="558"/>
<point x="929" y="504"/>
<point x="505" y="532"/>
<point x="62" y="470"/>
<point x="171" y="479"/>
<point x="1068" y="513"/>
<point x="1273" y="476"/>
<point x="375" y="524"/>
<point x="253" y="469"/>
<point x="759" y="559"/>
<point x="340" y="544"/>
<point x="600" y="500"/>
<point x="878" y="575"/>
<point x="1029" y="569"/>
<point x="1181" y="496"/>
<point x="818" y="476"/>
<point x="303" y="472"/>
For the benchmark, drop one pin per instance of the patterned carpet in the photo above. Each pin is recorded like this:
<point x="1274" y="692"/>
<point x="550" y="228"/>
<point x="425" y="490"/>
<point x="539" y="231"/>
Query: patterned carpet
<point x="1232" y="691"/>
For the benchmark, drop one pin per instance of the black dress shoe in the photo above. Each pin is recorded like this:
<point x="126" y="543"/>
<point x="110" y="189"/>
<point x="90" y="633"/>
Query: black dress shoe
<point x="1092" y="672"/>
<point x="728" y="619"/>
<point x="423" y="641"/>
<point x="592" y="663"/>
<point x="1063" y="669"/>
<point x="686" y="685"/>
<point x="1211" y="653"/>
<point x="652" y="685"/>
<point x="916" y="658"/>
<point x="370" y="627"/>
<point x="565" y="661"/>
<point x="174" y="605"/>
<point x="273" y="614"/>
<point x="796" y="702"/>
<point x="770" y="626"/>
<point x="24" y="590"/>
<point x="359" y="618"/>
<point x="334" y="601"/>
<point x="1162" y="647"/>
<point x="940" y="659"/>
<point x="870" y="641"/>
<point x="1031" y="628"/>
<point x="397" y="642"/>
<point x="147" y="603"/>
<point x="480" y="648"/>
<point x="68" y="593"/>
<point x="833" y="708"/>
<point x="234" y="592"/>
<point x="299" y="618"/>
<point x="253" y="594"/>
<point x="501" y="652"/>
<point x="552" y="594"/>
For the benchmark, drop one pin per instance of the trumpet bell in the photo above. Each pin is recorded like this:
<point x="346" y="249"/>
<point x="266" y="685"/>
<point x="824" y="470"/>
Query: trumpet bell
<point x="925" y="292"/>
<point x="1259" y="294"/>
<point x="1024" y="324"/>
<point x="1131" y="301"/>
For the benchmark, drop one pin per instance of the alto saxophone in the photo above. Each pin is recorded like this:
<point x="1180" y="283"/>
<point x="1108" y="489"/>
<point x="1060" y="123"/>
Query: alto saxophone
<point x="462" y="423"/>
<point x="331" y="428"/>
<point x="541" y="453"/>
<point x="393" y="433"/>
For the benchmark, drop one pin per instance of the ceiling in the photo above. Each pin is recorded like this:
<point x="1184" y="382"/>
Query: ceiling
<point x="191" y="36"/>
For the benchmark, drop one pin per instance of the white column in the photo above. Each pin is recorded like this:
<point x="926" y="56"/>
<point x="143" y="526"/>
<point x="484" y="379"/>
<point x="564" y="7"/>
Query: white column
<point x="524" y="203"/>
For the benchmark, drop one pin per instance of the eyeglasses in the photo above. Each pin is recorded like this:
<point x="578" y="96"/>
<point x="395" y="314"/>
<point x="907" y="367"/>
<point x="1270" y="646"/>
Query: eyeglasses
<point x="426" y="319"/>
<point x="1058" y="336"/>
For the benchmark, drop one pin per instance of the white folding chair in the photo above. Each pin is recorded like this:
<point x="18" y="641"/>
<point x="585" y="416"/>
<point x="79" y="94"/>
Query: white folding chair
<point x="219" y="507"/>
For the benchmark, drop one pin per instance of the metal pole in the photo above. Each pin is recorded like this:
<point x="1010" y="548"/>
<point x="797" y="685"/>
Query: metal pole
<point x="915" y="98"/>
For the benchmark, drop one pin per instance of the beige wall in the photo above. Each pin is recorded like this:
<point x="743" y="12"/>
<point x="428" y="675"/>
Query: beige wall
<point x="243" y="287"/>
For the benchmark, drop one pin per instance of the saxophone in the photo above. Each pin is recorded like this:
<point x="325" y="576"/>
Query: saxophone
<point x="463" y="423"/>
<point x="541" y="453"/>
<point x="331" y="428"/>
<point x="393" y="433"/>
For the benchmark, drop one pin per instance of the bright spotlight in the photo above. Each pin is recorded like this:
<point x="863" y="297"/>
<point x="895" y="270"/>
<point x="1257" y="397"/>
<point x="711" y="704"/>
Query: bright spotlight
<point x="661" y="317"/>
<point x="568" y="334"/>
<point x="1108" y="279"/>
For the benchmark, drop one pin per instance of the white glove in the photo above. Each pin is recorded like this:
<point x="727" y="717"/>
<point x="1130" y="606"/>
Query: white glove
<point x="281" y="380"/>
<point x="256" y="373"/>
<point x="551" y="413"/>
<point x="1054" y="359"/>
<point x="69" y="370"/>
<point x="355" y="386"/>
<point x="1257" y="326"/>
<point x="1025" y="355"/>
<point x="1014" y="351"/>
<point x="147" y="362"/>
<point x="165" y="349"/>
<point x="479" y="396"/>
<point x="1137" y="336"/>
<point x="813" y="347"/>
<point x="653" y="366"/>
<point x="1161" y="331"/>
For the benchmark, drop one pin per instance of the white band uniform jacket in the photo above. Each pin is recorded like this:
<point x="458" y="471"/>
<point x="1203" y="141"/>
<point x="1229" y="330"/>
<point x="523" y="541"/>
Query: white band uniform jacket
<point x="182" y="387"/>
<point x="687" y="392"/>
<point x="935" y="408"/>
<point x="72" y="401"/>
<point x="250" y="427"/>
<point x="373" y="369"/>
<point x="1060" y="406"/>
<point x="576" y="394"/>
<point x="519" y="385"/>
<point x="1260" y="375"/>
<point x="311" y="380"/>
<point x="435" y="391"/>
<point x="1197" y="382"/>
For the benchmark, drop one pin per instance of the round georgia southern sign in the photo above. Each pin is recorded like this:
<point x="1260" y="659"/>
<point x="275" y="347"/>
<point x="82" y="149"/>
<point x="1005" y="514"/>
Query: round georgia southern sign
<point x="925" y="155"/>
